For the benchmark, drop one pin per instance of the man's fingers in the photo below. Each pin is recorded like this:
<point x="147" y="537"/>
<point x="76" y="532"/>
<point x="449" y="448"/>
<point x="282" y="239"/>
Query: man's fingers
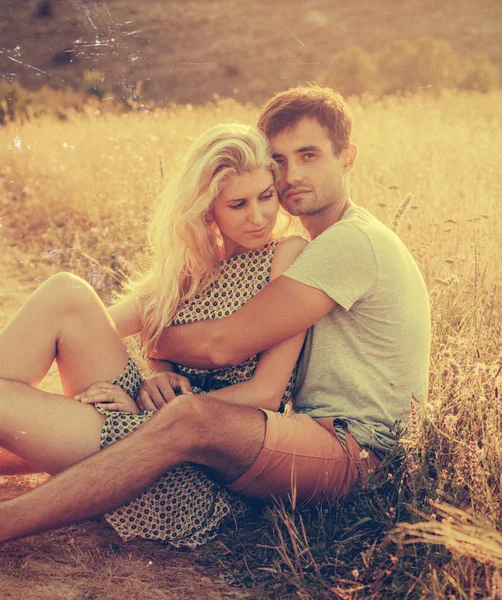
<point x="156" y="396"/>
<point x="184" y="385"/>
<point x="165" y="388"/>
<point x="145" y="402"/>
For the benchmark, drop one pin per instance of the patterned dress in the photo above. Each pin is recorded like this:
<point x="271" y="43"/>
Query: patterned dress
<point x="185" y="507"/>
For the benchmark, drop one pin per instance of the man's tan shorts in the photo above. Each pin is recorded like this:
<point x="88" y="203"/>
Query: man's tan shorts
<point x="303" y="458"/>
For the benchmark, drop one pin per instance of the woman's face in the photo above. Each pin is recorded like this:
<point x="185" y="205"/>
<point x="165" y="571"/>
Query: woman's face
<point x="246" y="210"/>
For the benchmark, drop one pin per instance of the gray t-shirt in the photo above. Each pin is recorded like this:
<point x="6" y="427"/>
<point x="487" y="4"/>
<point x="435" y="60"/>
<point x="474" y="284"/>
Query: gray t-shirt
<point x="369" y="356"/>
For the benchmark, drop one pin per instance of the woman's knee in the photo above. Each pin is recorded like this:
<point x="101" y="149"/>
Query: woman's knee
<point x="69" y="293"/>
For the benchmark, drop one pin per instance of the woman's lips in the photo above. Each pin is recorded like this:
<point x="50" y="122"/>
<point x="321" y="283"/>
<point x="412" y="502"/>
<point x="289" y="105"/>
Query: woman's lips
<point x="258" y="232"/>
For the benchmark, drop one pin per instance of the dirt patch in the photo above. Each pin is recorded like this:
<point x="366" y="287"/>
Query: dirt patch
<point x="88" y="560"/>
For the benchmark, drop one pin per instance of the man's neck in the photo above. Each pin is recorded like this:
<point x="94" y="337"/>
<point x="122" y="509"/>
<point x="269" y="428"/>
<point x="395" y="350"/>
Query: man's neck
<point x="319" y="222"/>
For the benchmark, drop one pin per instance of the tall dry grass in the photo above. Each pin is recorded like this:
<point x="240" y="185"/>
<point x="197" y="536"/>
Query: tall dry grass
<point x="76" y="195"/>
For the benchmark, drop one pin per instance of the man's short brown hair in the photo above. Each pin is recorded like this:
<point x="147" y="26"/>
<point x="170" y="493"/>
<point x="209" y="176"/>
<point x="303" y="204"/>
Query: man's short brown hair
<point x="325" y="105"/>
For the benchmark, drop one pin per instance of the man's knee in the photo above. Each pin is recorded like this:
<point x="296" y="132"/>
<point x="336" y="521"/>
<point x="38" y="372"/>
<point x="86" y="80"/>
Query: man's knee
<point x="189" y="410"/>
<point x="214" y="433"/>
<point x="209" y="420"/>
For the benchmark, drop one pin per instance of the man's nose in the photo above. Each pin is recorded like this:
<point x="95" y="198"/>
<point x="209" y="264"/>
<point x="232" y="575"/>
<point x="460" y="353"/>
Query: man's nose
<point x="292" y="175"/>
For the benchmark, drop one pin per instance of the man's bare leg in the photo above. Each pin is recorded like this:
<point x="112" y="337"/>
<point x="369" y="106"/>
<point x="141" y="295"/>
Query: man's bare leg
<point x="199" y="429"/>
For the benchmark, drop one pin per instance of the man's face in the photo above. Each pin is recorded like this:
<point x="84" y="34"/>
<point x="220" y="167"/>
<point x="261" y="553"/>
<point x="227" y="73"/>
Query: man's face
<point x="311" y="176"/>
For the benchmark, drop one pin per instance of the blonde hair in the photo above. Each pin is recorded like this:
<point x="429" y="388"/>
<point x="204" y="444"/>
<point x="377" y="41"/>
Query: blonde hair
<point x="183" y="244"/>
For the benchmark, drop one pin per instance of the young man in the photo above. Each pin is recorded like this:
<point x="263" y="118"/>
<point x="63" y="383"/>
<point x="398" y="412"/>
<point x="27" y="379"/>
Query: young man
<point x="365" y="357"/>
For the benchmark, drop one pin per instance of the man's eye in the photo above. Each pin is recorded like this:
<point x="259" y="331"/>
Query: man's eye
<point x="309" y="155"/>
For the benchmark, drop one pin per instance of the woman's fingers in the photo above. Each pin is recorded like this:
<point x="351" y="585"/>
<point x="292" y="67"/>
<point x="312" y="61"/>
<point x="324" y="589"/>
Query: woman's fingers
<point x="93" y="398"/>
<point x="112" y="406"/>
<point x="89" y="392"/>
<point x="96" y="388"/>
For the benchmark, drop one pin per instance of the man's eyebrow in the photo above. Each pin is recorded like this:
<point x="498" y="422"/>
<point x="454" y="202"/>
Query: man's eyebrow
<point x="311" y="148"/>
<point x="308" y="149"/>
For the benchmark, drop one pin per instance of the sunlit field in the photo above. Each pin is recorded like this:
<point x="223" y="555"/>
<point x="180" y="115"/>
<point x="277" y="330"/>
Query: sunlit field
<point x="75" y="195"/>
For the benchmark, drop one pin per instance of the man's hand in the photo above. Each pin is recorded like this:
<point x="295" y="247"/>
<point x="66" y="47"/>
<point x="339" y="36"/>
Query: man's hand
<point x="109" y="397"/>
<point x="161" y="388"/>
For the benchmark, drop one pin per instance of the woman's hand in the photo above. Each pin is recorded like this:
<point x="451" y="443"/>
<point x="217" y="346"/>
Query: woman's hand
<point x="161" y="388"/>
<point x="109" y="397"/>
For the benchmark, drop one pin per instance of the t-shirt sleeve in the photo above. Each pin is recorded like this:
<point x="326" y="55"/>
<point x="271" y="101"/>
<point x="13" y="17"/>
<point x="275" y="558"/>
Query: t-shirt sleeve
<point x="341" y="262"/>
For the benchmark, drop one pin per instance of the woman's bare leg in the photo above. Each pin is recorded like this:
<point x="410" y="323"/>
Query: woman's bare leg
<point x="63" y="320"/>
<point x="10" y="464"/>
<point x="50" y="431"/>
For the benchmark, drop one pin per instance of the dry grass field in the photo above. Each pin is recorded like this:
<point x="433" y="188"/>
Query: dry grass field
<point x="75" y="196"/>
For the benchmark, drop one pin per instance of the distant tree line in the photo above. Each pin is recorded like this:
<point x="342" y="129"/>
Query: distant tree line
<point x="401" y="67"/>
<point x="404" y="66"/>
<point x="94" y="98"/>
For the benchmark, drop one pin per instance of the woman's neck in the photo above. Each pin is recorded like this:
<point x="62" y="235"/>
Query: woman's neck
<point x="230" y="249"/>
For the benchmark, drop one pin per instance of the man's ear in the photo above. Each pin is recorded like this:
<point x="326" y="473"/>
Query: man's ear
<point x="349" y="157"/>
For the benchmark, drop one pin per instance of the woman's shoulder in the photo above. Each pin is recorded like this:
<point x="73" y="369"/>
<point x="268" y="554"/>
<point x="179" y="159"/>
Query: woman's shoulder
<point x="286" y="252"/>
<point x="292" y="243"/>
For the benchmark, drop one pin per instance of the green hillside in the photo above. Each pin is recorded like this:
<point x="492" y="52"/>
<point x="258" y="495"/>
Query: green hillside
<point x="186" y="51"/>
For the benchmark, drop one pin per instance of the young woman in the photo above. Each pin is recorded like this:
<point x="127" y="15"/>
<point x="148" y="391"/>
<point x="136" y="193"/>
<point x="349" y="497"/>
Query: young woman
<point x="214" y="244"/>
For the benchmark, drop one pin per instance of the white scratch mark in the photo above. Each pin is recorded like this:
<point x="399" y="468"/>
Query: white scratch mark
<point x="27" y="65"/>
<point x="108" y="11"/>
<point x="297" y="39"/>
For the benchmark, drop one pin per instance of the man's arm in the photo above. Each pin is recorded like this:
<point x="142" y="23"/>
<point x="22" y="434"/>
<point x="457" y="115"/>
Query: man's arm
<point x="282" y="310"/>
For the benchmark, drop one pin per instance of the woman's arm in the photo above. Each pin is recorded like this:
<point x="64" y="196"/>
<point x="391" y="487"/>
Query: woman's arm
<point x="267" y="386"/>
<point x="126" y="315"/>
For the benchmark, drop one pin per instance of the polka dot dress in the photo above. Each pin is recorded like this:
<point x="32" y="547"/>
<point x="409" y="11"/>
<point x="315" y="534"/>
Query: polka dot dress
<point x="185" y="507"/>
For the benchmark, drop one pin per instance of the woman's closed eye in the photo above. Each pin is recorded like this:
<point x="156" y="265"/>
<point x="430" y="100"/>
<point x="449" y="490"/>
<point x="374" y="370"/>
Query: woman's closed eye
<point x="242" y="203"/>
<point x="268" y="196"/>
